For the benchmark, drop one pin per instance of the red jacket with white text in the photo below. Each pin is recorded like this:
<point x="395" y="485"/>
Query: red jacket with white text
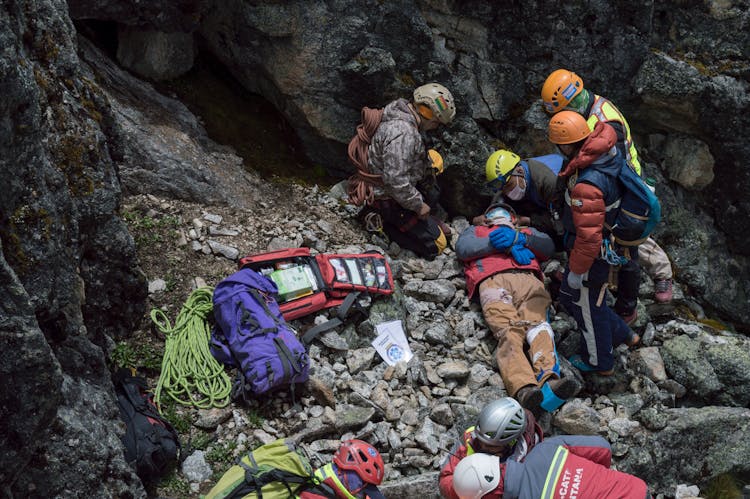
<point x="569" y="467"/>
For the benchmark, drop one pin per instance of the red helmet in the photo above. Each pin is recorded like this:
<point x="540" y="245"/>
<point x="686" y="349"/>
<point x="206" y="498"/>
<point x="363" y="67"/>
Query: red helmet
<point x="363" y="459"/>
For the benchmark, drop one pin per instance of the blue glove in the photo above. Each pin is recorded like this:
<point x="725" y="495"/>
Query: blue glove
<point x="503" y="237"/>
<point x="521" y="254"/>
<point x="575" y="281"/>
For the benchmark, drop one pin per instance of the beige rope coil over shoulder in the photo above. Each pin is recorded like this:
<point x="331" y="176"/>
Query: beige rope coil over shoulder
<point x="362" y="182"/>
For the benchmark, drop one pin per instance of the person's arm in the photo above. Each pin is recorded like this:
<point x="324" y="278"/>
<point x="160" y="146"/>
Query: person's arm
<point x="587" y="205"/>
<point x="470" y="246"/>
<point x="398" y="159"/>
<point x="545" y="182"/>
<point x="446" y="472"/>
<point x="539" y="243"/>
<point x="591" y="447"/>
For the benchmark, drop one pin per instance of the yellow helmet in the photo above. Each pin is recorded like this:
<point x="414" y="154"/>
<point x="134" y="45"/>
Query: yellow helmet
<point x="568" y="127"/>
<point x="439" y="101"/>
<point x="500" y="164"/>
<point x="560" y="87"/>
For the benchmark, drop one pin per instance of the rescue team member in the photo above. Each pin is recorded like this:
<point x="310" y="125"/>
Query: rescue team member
<point x="395" y="177"/>
<point x="562" y="467"/>
<point x="564" y="90"/>
<point x="531" y="186"/>
<point x="502" y="261"/>
<point x="591" y="187"/>
<point x="504" y="429"/>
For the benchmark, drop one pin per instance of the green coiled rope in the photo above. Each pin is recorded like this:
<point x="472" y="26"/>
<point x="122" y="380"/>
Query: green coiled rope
<point x="190" y="375"/>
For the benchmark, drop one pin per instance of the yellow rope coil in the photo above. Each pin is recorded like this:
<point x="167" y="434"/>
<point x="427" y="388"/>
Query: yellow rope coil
<point x="190" y="375"/>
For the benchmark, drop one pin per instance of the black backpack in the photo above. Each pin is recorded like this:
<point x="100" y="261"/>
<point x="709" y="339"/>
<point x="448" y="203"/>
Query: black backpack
<point x="152" y="446"/>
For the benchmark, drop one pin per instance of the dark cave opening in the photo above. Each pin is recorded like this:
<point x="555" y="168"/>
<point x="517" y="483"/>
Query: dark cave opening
<point x="231" y="115"/>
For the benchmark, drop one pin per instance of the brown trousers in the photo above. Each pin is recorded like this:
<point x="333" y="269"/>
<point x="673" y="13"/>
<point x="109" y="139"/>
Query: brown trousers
<point x="515" y="308"/>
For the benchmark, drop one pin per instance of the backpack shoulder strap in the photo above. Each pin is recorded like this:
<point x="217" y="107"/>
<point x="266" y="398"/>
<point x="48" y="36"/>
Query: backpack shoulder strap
<point x="341" y="315"/>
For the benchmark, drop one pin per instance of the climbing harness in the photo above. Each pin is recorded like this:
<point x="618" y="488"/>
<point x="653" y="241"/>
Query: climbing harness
<point x="190" y="375"/>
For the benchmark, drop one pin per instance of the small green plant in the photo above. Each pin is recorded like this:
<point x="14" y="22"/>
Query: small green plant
<point x="138" y="355"/>
<point x="181" y="420"/>
<point x="174" y="486"/>
<point x="123" y="355"/>
<point x="171" y="282"/>
<point x="222" y="453"/>
<point x="202" y="441"/>
<point x="147" y="230"/>
<point x="255" y="418"/>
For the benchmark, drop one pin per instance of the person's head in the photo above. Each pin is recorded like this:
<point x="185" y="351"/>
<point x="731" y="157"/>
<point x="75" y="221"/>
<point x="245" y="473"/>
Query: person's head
<point x="435" y="105"/>
<point x="559" y="90"/>
<point x="500" y="214"/>
<point x="363" y="459"/>
<point x="568" y="130"/>
<point x="476" y="475"/>
<point x="505" y="172"/>
<point x="500" y="424"/>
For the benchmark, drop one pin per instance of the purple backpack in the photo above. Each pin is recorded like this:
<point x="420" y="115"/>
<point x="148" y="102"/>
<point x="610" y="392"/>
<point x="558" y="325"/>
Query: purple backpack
<point x="251" y="334"/>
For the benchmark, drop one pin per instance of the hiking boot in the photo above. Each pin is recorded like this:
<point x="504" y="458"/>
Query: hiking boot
<point x="530" y="397"/>
<point x="663" y="290"/>
<point x="631" y="317"/>
<point x="585" y="367"/>
<point x="563" y="388"/>
<point x="633" y="340"/>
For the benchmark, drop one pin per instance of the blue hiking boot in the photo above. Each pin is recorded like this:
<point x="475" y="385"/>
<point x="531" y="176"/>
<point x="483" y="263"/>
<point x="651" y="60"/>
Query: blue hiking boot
<point x="585" y="367"/>
<point x="556" y="392"/>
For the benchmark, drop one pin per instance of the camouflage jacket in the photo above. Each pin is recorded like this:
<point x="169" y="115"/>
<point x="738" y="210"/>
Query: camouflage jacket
<point x="398" y="153"/>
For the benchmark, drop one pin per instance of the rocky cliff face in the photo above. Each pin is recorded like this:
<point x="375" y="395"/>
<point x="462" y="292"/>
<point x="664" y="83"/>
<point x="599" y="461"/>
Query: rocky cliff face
<point x="70" y="280"/>
<point x="73" y="134"/>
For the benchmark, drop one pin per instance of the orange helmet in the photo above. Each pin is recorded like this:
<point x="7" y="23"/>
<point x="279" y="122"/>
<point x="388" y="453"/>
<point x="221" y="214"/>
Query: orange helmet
<point x="568" y="127"/>
<point x="363" y="459"/>
<point x="560" y="87"/>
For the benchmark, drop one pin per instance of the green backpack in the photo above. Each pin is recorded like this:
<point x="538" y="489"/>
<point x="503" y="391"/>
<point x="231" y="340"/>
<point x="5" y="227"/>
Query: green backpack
<point x="276" y="470"/>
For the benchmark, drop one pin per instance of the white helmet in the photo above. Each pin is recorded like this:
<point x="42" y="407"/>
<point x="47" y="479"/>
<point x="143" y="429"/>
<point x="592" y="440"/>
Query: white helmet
<point x="438" y="99"/>
<point x="501" y="421"/>
<point x="476" y="475"/>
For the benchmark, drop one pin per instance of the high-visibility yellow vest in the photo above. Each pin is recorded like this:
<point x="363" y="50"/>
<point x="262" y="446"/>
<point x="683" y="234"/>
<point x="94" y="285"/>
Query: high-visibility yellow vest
<point x="604" y="110"/>
<point x="326" y="472"/>
<point x="468" y="437"/>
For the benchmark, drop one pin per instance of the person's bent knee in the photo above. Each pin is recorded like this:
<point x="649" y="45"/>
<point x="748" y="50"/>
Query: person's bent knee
<point x="490" y="296"/>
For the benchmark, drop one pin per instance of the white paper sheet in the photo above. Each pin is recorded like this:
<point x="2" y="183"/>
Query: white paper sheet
<point x="391" y="343"/>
